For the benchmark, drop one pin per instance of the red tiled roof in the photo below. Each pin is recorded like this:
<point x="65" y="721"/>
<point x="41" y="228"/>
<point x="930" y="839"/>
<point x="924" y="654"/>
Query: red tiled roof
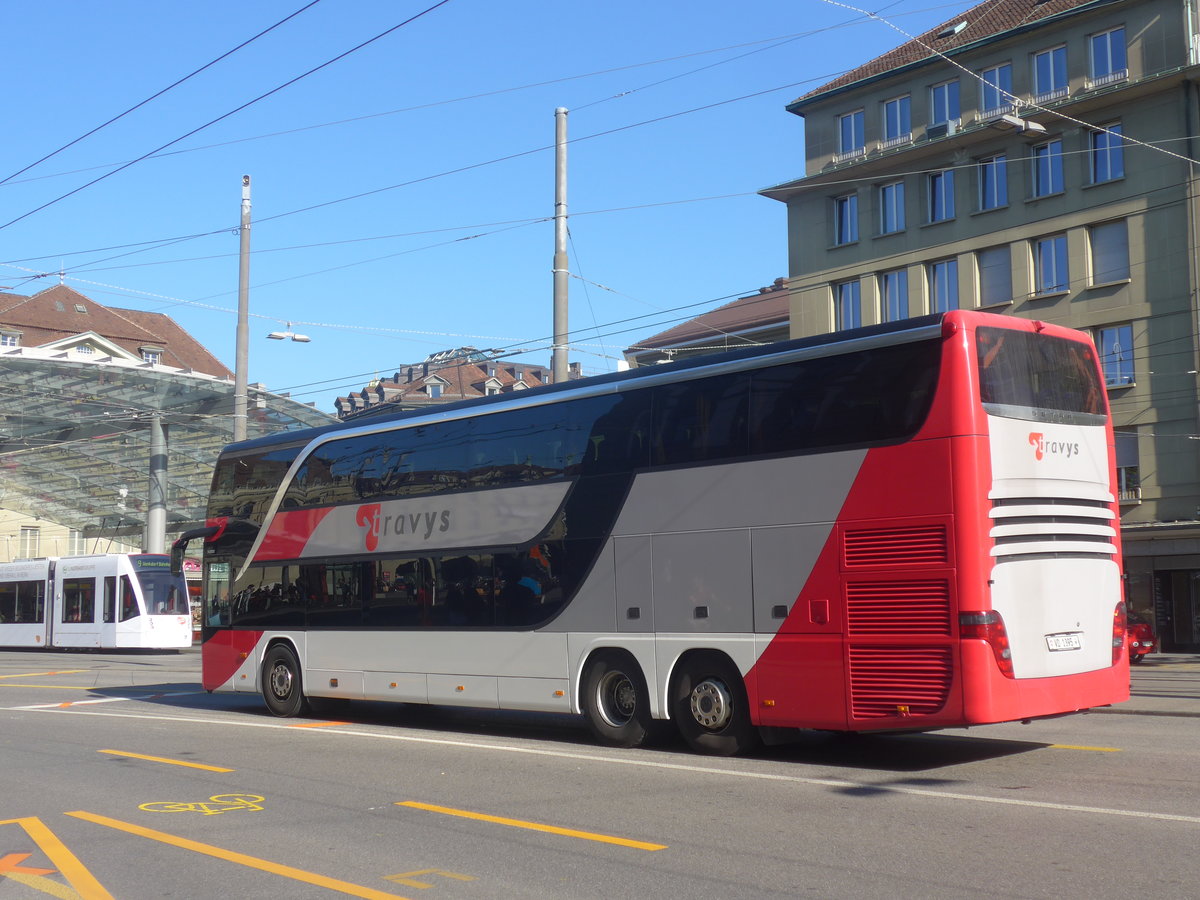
<point x="992" y="17"/>
<point x="60" y="312"/>
<point x="768" y="307"/>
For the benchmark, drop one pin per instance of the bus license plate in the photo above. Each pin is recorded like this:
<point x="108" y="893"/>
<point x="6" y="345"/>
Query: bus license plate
<point x="1064" y="641"/>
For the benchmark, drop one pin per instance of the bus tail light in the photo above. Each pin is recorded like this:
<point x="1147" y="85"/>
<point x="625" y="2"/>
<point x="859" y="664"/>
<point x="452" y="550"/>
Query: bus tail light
<point x="988" y="626"/>
<point x="1120" y="631"/>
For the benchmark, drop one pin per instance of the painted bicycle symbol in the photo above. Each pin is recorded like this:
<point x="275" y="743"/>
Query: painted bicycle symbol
<point x="219" y="803"/>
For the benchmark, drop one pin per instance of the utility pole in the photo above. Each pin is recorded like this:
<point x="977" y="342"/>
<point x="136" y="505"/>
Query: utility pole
<point x="558" y="356"/>
<point x="242" y="348"/>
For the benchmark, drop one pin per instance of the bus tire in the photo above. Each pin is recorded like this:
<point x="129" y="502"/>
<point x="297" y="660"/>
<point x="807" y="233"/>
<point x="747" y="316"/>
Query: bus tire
<point x="710" y="707"/>
<point x="616" y="702"/>
<point x="281" y="684"/>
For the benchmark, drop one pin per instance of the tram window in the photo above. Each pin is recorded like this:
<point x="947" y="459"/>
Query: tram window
<point x="22" y="602"/>
<point x="79" y="600"/>
<point x="110" y="599"/>
<point x="129" y="601"/>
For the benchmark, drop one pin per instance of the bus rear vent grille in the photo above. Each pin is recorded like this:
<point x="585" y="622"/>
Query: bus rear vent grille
<point x="898" y="607"/>
<point x="896" y="547"/>
<point x="889" y="682"/>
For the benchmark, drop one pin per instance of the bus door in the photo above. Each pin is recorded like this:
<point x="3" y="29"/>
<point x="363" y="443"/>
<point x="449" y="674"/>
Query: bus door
<point x="76" y="611"/>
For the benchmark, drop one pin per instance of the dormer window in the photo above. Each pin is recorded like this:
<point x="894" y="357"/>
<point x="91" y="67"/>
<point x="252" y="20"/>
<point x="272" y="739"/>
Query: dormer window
<point x="151" y="355"/>
<point x="80" y="308"/>
<point x="434" y="390"/>
<point x="10" y="338"/>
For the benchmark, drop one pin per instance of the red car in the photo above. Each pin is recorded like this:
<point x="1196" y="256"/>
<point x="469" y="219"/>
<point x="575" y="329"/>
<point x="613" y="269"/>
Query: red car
<point x="1141" y="641"/>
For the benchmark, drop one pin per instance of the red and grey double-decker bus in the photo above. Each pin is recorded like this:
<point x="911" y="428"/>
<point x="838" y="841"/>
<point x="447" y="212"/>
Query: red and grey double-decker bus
<point x="902" y="527"/>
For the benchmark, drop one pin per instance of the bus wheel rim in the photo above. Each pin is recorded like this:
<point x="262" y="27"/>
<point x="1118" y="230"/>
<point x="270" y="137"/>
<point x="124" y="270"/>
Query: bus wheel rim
<point x="281" y="681"/>
<point x="711" y="704"/>
<point x="617" y="698"/>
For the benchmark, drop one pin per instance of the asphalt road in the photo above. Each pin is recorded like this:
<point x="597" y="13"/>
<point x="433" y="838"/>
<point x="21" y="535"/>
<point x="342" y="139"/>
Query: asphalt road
<point x="123" y="779"/>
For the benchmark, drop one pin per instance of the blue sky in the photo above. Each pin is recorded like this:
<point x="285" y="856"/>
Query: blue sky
<point x="402" y="194"/>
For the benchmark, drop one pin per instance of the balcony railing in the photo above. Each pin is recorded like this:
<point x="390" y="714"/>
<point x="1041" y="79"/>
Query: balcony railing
<point x="1130" y="495"/>
<point x="856" y="153"/>
<point x="1110" y="78"/>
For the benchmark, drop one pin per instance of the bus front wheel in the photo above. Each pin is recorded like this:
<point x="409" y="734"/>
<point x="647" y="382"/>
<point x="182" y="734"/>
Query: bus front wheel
<point x="281" y="685"/>
<point x="711" y="709"/>
<point x="616" y="702"/>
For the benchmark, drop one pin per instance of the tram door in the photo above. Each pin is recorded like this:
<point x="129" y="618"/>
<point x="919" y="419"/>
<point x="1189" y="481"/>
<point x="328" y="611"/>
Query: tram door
<point x="77" y="613"/>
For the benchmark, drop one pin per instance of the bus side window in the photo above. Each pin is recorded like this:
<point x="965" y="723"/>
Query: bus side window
<point x="129" y="604"/>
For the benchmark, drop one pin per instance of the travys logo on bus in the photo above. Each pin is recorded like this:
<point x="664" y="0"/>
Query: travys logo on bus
<point x="418" y="524"/>
<point x="1043" y="448"/>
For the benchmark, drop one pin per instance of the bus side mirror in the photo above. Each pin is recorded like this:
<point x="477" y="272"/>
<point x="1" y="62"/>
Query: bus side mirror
<point x="180" y="545"/>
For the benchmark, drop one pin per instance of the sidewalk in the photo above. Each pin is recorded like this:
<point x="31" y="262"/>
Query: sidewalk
<point x="1165" y="684"/>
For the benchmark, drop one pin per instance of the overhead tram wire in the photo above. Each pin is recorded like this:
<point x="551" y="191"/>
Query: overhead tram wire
<point x="774" y="41"/>
<point x="231" y="112"/>
<point x="155" y="96"/>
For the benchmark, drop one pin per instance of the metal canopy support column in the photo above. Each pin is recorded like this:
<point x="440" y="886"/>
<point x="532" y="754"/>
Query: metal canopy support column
<point x="155" y="540"/>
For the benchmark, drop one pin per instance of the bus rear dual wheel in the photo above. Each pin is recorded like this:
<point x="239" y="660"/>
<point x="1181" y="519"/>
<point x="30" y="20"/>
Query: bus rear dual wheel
<point x="710" y="707"/>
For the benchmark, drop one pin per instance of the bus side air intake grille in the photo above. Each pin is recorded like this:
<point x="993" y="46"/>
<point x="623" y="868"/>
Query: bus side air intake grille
<point x="889" y="682"/>
<point x="1052" y="527"/>
<point x="898" y="608"/>
<point x="895" y="547"/>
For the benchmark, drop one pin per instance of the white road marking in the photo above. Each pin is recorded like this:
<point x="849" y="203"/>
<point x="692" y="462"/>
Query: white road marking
<point x="689" y="768"/>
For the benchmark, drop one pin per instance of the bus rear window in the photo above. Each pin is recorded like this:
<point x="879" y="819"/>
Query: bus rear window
<point x="1022" y="372"/>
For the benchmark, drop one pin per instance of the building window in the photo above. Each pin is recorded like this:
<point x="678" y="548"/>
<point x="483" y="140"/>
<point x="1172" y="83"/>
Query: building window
<point x="1110" y="252"/>
<point x="152" y="356"/>
<point x="850" y="132"/>
<point x="10" y="338"/>
<point x="845" y="219"/>
<point x="893" y="295"/>
<point x="897" y="119"/>
<point x="1108" y="57"/>
<point x="993" y="268"/>
<point x="995" y="90"/>
<point x="434" y="390"/>
<point x="943" y="102"/>
<point x="993" y="182"/>
<point x="1050" y="265"/>
<point x="1047" y="169"/>
<point x="85" y="349"/>
<point x="847" y="311"/>
<point x="1107" y="153"/>
<point x="941" y="196"/>
<point x="1116" y="354"/>
<point x="1050" y="74"/>
<point x="891" y="208"/>
<point x="76" y="543"/>
<point x="30" y="541"/>
<point x="943" y="285"/>
<point x="1129" y="481"/>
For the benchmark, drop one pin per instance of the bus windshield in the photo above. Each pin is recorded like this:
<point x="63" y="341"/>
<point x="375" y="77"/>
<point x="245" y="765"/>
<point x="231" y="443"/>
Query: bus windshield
<point x="1026" y="375"/>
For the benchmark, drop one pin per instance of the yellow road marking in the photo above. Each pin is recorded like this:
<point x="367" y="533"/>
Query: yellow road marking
<point x="37" y="674"/>
<point x="316" y="724"/>
<point x="84" y="883"/>
<point x="45" y="885"/>
<point x="533" y="826"/>
<point x="1081" y="747"/>
<point x="169" y="762"/>
<point x="253" y="862"/>
<point x="407" y="879"/>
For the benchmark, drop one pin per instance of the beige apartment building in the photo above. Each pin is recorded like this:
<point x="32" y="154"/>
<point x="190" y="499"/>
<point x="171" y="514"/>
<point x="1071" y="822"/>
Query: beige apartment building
<point x="1033" y="159"/>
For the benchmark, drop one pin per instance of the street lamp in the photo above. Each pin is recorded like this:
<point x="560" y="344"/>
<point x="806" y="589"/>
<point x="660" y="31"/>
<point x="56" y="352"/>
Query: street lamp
<point x="284" y="335"/>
